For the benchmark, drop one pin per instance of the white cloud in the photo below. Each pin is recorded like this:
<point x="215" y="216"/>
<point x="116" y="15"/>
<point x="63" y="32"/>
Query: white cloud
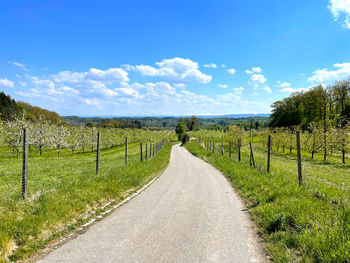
<point x="223" y="86"/>
<point x="341" y="9"/>
<point x="291" y="90"/>
<point x="177" y="70"/>
<point x="223" y="66"/>
<point x="267" y="88"/>
<point x="110" y="75"/>
<point x="20" y="65"/>
<point x="283" y="84"/>
<point x="325" y="76"/>
<point x="94" y="102"/>
<point x="211" y="65"/>
<point x="239" y="89"/>
<point x="258" y="78"/>
<point x="253" y="70"/>
<point x="7" y="83"/>
<point x="232" y="71"/>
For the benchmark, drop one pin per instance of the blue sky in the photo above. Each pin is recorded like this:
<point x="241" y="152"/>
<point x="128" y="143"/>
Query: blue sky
<point x="162" y="57"/>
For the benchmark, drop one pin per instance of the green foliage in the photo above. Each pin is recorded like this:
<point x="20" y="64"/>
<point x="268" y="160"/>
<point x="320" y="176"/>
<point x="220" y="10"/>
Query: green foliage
<point x="34" y="113"/>
<point x="8" y="107"/>
<point x="180" y="129"/>
<point x="318" y="104"/>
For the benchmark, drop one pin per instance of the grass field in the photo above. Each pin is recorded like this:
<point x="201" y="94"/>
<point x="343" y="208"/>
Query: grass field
<point x="307" y="224"/>
<point x="62" y="191"/>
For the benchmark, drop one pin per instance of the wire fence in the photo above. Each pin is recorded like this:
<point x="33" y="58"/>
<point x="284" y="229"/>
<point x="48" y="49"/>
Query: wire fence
<point x="45" y="172"/>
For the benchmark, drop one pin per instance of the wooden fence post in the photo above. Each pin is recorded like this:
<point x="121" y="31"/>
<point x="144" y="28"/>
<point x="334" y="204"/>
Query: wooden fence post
<point x="300" y="173"/>
<point x="98" y="152"/>
<point x="154" y="146"/>
<point x="25" y="164"/>
<point x="222" y="146"/>
<point x="252" y="154"/>
<point x="150" y="150"/>
<point x="146" y="152"/>
<point x="268" y="152"/>
<point x="239" y="150"/>
<point x="230" y="151"/>
<point x="141" y="151"/>
<point x="126" y="151"/>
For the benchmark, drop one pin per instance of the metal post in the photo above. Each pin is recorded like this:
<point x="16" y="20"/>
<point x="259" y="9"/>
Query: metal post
<point x="126" y="151"/>
<point x="268" y="152"/>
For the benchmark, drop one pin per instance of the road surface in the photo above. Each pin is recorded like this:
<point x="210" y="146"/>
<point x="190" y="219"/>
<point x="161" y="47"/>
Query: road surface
<point x="190" y="214"/>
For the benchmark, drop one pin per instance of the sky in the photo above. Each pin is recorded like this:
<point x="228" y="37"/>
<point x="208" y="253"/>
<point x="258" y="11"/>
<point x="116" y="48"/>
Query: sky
<point x="163" y="57"/>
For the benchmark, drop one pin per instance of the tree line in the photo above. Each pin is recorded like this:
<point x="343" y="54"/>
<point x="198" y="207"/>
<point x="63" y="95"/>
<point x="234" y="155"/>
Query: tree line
<point x="321" y="104"/>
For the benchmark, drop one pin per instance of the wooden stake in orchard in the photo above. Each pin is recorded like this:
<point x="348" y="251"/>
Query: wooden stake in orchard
<point x="268" y="152"/>
<point x="25" y="164"/>
<point x="300" y="173"/>
<point x="98" y="152"/>
<point x="126" y="151"/>
<point x="252" y="154"/>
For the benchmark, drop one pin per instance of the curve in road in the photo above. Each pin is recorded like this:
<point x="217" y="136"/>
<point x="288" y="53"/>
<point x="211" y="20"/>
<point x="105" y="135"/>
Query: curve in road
<point x="190" y="214"/>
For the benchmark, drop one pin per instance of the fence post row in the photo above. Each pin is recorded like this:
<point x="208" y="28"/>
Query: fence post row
<point x="98" y="152"/>
<point x="25" y="164"/>
<point x="252" y="154"/>
<point x="126" y="151"/>
<point x="268" y="152"/>
<point x="300" y="174"/>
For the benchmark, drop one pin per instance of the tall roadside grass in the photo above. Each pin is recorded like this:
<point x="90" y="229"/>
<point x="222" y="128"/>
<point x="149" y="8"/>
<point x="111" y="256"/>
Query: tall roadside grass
<point x="304" y="224"/>
<point x="27" y="226"/>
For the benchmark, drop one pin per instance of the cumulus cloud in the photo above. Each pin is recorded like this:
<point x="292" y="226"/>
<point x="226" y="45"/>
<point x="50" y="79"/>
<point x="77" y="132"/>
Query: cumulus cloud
<point x="253" y="70"/>
<point x="239" y="90"/>
<point x="211" y="65"/>
<point x="7" y="83"/>
<point x="341" y="71"/>
<point x="223" y="86"/>
<point x="177" y="70"/>
<point x="341" y="10"/>
<point x="267" y="88"/>
<point x="110" y="75"/>
<point x="223" y="66"/>
<point x="93" y="101"/>
<point x="231" y="71"/>
<point x="283" y="84"/>
<point x="258" y="78"/>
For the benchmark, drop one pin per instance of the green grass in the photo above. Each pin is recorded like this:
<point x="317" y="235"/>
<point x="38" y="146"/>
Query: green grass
<point x="62" y="191"/>
<point x="307" y="224"/>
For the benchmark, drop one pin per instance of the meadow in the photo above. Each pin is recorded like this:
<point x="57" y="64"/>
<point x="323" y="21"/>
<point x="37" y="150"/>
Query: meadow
<point x="64" y="191"/>
<point x="298" y="224"/>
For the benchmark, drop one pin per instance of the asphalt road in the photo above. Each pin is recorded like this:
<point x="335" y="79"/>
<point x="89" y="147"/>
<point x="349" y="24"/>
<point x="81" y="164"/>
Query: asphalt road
<point x="190" y="214"/>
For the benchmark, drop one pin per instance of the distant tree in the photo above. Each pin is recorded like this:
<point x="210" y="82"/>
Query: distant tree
<point x="8" y="107"/>
<point x="191" y="123"/>
<point x="180" y="129"/>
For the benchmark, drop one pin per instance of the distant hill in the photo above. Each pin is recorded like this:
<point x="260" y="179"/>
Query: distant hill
<point x="169" y="122"/>
<point x="9" y="108"/>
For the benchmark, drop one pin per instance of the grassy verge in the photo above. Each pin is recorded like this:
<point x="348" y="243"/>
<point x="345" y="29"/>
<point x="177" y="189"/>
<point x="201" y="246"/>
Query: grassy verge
<point x="297" y="224"/>
<point x="26" y="227"/>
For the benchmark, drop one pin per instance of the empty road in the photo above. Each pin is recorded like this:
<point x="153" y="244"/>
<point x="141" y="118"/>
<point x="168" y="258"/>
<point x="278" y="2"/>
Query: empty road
<point x="190" y="214"/>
